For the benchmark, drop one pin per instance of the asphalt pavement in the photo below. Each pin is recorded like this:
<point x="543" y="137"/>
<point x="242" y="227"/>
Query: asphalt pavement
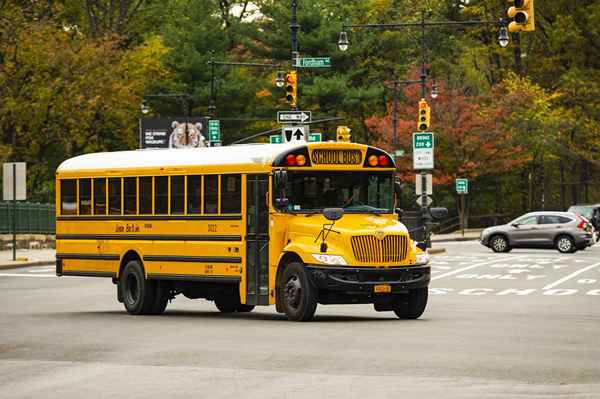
<point x="518" y="325"/>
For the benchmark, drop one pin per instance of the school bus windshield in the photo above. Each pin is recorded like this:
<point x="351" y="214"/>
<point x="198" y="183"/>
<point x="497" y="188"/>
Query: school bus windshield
<point x="358" y="192"/>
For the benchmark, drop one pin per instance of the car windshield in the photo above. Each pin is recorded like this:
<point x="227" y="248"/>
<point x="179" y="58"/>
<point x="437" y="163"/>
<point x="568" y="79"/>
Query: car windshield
<point x="355" y="192"/>
<point x="585" y="211"/>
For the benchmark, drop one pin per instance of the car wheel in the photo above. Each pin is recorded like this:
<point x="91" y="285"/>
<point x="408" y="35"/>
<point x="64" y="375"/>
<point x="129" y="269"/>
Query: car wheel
<point x="499" y="243"/>
<point x="565" y="244"/>
<point x="299" y="296"/>
<point x="411" y="305"/>
<point x="139" y="294"/>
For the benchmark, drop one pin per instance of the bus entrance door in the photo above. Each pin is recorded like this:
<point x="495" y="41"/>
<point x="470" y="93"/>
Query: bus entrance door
<point x="257" y="240"/>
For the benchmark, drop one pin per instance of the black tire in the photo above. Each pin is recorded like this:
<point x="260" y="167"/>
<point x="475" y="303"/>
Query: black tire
<point x="411" y="305"/>
<point x="499" y="243"/>
<point x="161" y="298"/>
<point x="225" y="304"/>
<point x="139" y="294"/>
<point x="244" y="308"/>
<point x="565" y="244"/>
<point x="299" y="296"/>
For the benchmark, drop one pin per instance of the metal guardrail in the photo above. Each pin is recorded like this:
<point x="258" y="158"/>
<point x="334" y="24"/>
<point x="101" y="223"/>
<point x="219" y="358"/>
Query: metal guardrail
<point x="32" y="218"/>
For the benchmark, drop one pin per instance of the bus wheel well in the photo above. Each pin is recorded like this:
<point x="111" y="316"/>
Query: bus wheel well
<point x="129" y="256"/>
<point x="285" y="260"/>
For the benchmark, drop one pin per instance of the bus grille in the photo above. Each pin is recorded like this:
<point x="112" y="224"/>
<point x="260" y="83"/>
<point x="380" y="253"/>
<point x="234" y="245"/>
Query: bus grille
<point x="370" y="249"/>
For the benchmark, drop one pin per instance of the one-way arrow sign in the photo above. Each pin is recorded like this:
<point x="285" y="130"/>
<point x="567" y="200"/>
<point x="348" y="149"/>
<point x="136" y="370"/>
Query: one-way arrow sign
<point x="294" y="116"/>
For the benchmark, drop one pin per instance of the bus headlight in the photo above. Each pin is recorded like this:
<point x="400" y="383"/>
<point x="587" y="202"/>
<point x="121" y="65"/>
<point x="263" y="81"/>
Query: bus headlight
<point x="330" y="259"/>
<point x="422" y="258"/>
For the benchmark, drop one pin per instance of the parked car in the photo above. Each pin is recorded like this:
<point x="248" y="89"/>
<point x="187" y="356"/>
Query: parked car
<point x="592" y="213"/>
<point x="564" y="231"/>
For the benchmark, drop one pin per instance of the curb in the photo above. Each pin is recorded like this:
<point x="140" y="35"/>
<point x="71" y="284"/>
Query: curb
<point x="436" y="251"/>
<point x="28" y="264"/>
<point x="455" y="239"/>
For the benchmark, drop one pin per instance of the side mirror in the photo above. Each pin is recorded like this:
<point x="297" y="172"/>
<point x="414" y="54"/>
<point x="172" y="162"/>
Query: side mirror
<point x="438" y="213"/>
<point x="280" y="179"/>
<point x="333" y="214"/>
<point x="515" y="225"/>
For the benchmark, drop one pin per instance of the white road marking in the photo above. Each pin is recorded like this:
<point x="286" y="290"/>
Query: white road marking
<point x="45" y="270"/>
<point x="26" y="275"/>
<point x="570" y="276"/>
<point x="472" y="267"/>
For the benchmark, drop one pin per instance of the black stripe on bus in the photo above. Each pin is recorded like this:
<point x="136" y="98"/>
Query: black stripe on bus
<point x="87" y="274"/>
<point x="147" y="237"/>
<point x="196" y="278"/>
<point x="195" y="259"/>
<point x="148" y="217"/>
<point x="88" y="256"/>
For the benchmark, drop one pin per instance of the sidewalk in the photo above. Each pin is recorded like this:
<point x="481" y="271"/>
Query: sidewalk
<point x="27" y="257"/>
<point x="470" y="235"/>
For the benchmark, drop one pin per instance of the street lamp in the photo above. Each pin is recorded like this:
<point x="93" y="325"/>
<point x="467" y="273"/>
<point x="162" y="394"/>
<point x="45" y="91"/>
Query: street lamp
<point x="434" y="89"/>
<point x="280" y="80"/>
<point x="503" y="36"/>
<point x="144" y="108"/>
<point x="343" y="41"/>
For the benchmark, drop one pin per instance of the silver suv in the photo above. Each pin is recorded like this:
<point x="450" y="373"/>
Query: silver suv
<point x="564" y="231"/>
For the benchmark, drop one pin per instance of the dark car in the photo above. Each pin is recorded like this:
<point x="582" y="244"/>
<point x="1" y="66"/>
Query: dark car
<point x="592" y="213"/>
<point x="564" y="231"/>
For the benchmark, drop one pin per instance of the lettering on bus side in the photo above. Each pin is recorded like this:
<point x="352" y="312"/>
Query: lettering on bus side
<point x="212" y="228"/>
<point x="127" y="228"/>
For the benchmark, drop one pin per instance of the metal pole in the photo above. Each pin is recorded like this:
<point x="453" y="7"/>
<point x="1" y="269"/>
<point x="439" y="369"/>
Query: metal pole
<point x="212" y="107"/>
<point x="295" y="54"/>
<point x="423" y="57"/>
<point x="462" y="214"/>
<point x="14" y="212"/>
<point x="395" y="116"/>
<point x="425" y="207"/>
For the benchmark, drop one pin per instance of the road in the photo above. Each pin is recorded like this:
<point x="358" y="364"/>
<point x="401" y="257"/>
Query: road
<point x="518" y="325"/>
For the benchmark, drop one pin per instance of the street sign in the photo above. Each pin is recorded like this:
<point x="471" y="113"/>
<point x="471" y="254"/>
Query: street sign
<point x="19" y="179"/>
<point x="315" y="137"/>
<point x="214" y="130"/>
<point x="276" y="139"/>
<point x="462" y="186"/>
<point x="423" y="147"/>
<point x="294" y="133"/>
<point x="428" y="201"/>
<point x="313" y="62"/>
<point x="294" y="116"/>
<point x="399" y="153"/>
<point x="419" y="184"/>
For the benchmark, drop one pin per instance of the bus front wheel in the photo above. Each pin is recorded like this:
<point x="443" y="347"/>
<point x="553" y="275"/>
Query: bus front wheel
<point x="141" y="296"/>
<point x="299" y="296"/>
<point x="411" y="305"/>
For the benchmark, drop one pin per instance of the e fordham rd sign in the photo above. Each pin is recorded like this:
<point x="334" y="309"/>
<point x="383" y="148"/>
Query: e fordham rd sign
<point x="313" y="62"/>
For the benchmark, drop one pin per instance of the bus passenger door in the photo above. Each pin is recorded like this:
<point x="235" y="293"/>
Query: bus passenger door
<point x="257" y="240"/>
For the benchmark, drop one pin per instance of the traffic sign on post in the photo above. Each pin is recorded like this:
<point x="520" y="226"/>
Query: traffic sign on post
<point x="423" y="149"/>
<point x="14" y="182"/>
<point x="313" y="62"/>
<point x="275" y="139"/>
<point x="315" y="137"/>
<point x="419" y="184"/>
<point x="462" y="186"/>
<point x="294" y="116"/>
<point x="294" y="133"/>
<point x="214" y="130"/>
<point x="424" y="201"/>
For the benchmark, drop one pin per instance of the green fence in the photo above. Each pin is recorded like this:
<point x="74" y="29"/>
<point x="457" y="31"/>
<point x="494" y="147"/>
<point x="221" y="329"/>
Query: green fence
<point x="31" y="218"/>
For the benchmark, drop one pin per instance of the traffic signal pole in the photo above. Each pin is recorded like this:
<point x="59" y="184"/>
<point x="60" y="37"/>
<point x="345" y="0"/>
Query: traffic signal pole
<point x="294" y="27"/>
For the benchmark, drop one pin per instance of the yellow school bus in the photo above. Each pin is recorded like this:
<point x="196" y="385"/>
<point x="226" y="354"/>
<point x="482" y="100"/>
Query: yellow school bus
<point x="290" y="225"/>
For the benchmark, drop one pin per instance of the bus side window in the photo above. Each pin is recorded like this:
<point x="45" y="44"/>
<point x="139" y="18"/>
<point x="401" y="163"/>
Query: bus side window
<point x="114" y="195"/>
<point x="68" y="197"/>
<point x="231" y="194"/>
<point x="100" y="196"/>
<point x="177" y="195"/>
<point x="85" y="196"/>
<point x="211" y="194"/>
<point x="194" y="194"/>
<point x="145" y="198"/>
<point x="130" y="195"/>
<point x="161" y="195"/>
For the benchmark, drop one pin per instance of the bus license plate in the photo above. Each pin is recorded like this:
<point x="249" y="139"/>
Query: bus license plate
<point x="383" y="289"/>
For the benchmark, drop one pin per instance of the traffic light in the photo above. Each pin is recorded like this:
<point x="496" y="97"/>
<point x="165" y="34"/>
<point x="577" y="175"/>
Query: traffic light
<point x="291" y="88"/>
<point x="344" y="134"/>
<point x="522" y="14"/>
<point x="424" y="116"/>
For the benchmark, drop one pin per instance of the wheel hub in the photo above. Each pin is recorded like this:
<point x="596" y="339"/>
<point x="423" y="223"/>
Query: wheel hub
<point x="293" y="292"/>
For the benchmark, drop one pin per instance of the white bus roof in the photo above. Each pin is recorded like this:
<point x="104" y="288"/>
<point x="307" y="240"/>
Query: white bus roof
<point x="261" y="154"/>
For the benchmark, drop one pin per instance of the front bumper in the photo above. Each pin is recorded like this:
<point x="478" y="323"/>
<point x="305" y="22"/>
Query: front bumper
<point x="362" y="280"/>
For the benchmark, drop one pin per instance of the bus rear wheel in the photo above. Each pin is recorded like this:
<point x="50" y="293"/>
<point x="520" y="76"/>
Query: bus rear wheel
<point x="411" y="305"/>
<point x="299" y="296"/>
<point x="140" y="296"/>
